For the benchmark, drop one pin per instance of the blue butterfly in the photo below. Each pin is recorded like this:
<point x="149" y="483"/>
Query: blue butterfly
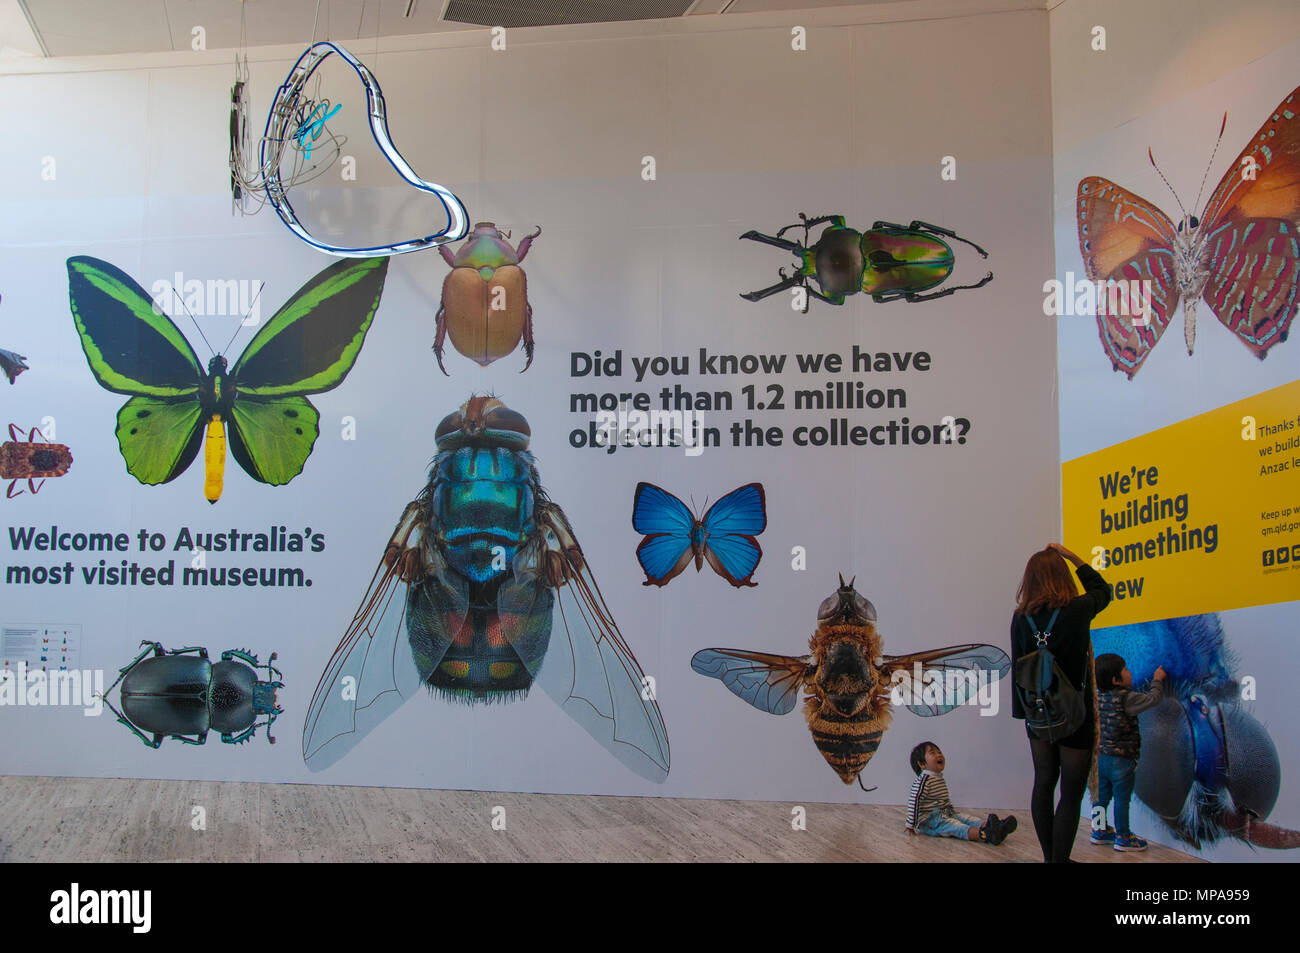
<point x="673" y="536"/>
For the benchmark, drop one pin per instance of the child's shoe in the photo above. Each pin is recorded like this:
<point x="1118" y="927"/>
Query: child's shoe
<point x="1129" y="842"/>
<point x="1009" y="824"/>
<point x="991" y="831"/>
<point x="1104" y="837"/>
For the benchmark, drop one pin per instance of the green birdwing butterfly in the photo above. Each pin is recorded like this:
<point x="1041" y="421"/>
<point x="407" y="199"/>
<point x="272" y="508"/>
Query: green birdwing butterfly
<point x="307" y="347"/>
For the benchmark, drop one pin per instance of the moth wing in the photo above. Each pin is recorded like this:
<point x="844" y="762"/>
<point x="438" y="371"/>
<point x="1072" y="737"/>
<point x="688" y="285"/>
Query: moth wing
<point x="962" y="661"/>
<point x="768" y="682"/>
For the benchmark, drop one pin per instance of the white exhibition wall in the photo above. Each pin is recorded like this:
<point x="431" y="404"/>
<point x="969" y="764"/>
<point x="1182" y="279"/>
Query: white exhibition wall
<point x="745" y="133"/>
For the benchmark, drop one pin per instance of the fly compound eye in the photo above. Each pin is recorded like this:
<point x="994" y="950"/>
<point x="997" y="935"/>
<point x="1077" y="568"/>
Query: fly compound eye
<point x="448" y="429"/>
<point x="864" y="608"/>
<point x="829" y="607"/>
<point x="507" y="426"/>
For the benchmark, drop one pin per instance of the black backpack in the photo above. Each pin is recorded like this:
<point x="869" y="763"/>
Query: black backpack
<point x="1054" y="708"/>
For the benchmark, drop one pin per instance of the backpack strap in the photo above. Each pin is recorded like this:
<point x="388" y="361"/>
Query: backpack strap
<point x="1043" y="636"/>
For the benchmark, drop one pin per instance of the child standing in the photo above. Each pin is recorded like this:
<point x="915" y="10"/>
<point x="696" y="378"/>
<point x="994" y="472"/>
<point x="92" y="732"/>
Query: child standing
<point x="1121" y="743"/>
<point x="930" y="810"/>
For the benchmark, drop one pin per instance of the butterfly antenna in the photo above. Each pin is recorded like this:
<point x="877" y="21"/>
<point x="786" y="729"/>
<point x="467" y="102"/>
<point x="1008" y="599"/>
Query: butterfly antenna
<point x="191" y="314"/>
<point x="241" y="324"/>
<point x="1217" y="142"/>
<point x="1166" y="181"/>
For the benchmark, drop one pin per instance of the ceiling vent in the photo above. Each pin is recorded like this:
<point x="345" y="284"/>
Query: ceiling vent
<point x="552" y="12"/>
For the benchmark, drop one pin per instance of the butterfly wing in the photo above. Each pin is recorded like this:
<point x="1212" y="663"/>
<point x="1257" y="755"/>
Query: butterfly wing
<point x="730" y="526"/>
<point x="1123" y="237"/>
<point x="159" y="439"/>
<point x="955" y="667"/>
<point x="1254" y="280"/>
<point x="131" y="348"/>
<point x="12" y="364"/>
<point x="271" y="439"/>
<point x="311" y="343"/>
<point x="768" y="682"/>
<point x="373" y="670"/>
<point x="1250" y="231"/>
<point x="589" y="669"/>
<point x="667" y="524"/>
<point x="1273" y="156"/>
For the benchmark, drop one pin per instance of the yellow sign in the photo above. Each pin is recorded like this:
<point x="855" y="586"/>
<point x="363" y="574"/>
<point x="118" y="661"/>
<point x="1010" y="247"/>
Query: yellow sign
<point x="1200" y="516"/>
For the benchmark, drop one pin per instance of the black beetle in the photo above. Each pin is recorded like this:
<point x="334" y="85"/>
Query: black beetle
<point x="184" y="696"/>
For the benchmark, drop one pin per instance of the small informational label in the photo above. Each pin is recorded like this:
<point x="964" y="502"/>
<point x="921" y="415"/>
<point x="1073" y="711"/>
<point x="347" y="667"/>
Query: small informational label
<point x="43" y="647"/>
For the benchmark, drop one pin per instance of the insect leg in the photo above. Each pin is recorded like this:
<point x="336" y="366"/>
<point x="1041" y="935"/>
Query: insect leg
<point x="10" y="494"/>
<point x="528" y="335"/>
<point x="792" y="247"/>
<point x="947" y="233"/>
<point x="786" y="282"/>
<point x="441" y="336"/>
<point x="527" y="241"/>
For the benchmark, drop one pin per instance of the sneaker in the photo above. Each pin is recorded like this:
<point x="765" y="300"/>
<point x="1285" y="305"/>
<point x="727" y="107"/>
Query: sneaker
<point x="1129" y="842"/>
<point x="1009" y="824"/>
<point x="992" y="830"/>
<point x="1104" y="837"/>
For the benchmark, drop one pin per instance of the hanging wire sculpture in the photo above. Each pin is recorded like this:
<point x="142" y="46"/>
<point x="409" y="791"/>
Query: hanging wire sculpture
<point x="297" y="146"/>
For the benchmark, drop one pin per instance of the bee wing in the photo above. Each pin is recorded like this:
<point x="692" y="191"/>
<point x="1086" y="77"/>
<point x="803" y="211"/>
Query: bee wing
<point x="589" y="669"/>
<point x="957" y="659"/>
<point x="367" y="678"/>
<point x="768" y="682"/>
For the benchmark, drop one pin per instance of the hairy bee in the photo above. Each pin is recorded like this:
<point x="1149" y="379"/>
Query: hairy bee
<point x="851" y="683"/>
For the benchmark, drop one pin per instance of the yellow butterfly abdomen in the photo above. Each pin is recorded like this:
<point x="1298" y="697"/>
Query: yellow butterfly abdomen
<point x="214" y="459"/>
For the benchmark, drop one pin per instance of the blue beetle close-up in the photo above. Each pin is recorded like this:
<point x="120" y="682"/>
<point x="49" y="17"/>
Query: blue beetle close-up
<point x="1208" y="768"/>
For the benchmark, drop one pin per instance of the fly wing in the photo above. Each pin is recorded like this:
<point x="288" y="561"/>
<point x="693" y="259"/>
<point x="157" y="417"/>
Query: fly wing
<point x="589" y="669"/>
<point x="768" y="682"/>
<point x="373" y="671"/>
<point x="955" y="668"/>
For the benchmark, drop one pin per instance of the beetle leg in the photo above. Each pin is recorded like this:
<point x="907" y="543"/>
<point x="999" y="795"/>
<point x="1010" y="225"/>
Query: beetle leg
<point x="786" y="282"/>
<point x="911" y="296"/>
<point x="793" y="247"/>
<point x="527" y="241"/>
<point x="836" y="220"/>
<point x="441" y="336"/>
<point x="947" y="233"/>
<point x="528" y="335"/>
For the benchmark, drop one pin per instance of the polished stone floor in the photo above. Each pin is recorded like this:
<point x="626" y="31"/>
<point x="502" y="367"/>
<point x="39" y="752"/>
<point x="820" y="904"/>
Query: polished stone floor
<point x="90" y="820"/>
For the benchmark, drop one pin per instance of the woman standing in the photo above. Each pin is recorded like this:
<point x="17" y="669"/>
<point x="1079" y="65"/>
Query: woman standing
<point x="1047" y="587"/>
